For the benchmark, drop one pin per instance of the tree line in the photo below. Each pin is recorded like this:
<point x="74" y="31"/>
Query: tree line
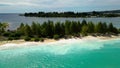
<point x="71" y="14"/>
<point x="56" y="30"/>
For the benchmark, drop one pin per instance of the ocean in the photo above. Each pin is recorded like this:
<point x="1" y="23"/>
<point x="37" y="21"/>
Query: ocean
<point x="15" y="20"/>
<point x="72" y="53"/>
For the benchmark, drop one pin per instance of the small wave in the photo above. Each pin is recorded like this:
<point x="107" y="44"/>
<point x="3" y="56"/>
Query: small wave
<point x="60" y="47"/>
<point x="63" y="47"/>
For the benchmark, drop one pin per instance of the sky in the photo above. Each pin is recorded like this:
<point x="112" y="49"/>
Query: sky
<point x="22" y="6"/>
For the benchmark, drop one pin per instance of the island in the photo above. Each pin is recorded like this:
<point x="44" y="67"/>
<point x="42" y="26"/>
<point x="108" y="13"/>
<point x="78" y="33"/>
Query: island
<point x="112" y="13"/>
<point x="57" y="30"/>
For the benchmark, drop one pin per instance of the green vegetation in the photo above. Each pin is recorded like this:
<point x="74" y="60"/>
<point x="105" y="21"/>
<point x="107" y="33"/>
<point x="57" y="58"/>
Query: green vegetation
<point x="72" y="14"/>
<point x="37" y="32"/>
<point x="41" y="39"/>
<point x="10" y="38"/>
<point x="27" y="38"/>
<point x="36" y="39"/>
<point x="56" y="37"/>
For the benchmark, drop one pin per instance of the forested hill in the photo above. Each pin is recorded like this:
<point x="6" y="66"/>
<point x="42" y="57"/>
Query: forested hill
<point x="112" y="13"/>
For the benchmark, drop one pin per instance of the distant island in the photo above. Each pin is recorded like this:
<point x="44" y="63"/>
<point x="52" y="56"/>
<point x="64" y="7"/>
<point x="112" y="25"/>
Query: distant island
<point x="112" y="13"/>
<point x="56" y="30"/>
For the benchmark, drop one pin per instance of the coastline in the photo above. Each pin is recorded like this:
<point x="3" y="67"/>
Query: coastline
<point x="47" y="41"/>
<point x="23" y="41"/>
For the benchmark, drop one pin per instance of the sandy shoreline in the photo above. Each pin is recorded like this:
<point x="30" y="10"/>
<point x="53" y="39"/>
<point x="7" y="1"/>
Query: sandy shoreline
<point x="52" y="40"/>
<point x="22" y="42"/>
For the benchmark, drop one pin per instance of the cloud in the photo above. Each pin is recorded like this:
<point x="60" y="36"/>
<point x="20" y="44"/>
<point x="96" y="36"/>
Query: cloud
<point x="57" y="4"/>
<point x="44" y="3"/>
<point x="4" y="5"/>
<point x="18" y="4"/>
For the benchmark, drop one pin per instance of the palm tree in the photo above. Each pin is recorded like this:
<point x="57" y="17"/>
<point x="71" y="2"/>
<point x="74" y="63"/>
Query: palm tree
<point x="3" y="26"/>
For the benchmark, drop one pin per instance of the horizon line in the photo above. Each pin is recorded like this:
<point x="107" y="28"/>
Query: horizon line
<point x="57" y="11"/>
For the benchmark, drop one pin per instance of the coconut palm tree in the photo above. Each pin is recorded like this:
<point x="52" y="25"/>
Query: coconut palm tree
<point x="4" y="26"/>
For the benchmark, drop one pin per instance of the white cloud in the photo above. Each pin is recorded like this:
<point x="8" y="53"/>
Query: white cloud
<point x="55" y="4"/>
<point x="18" y="4"/>
<point x="58" y="3"/>
<point x="44" y="3"/>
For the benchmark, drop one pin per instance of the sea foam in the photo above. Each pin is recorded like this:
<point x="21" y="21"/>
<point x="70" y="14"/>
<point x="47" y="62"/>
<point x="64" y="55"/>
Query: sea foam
<point x="61" y="47"/>
<point x="77" y="53"/>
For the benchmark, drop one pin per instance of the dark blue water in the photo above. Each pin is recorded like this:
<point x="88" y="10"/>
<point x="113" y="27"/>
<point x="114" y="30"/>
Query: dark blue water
<point x="64" y="54"/>
<point x="14" y="20"/>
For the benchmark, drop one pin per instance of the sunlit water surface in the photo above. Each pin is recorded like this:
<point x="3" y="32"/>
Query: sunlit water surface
<point x="86" y="53"/>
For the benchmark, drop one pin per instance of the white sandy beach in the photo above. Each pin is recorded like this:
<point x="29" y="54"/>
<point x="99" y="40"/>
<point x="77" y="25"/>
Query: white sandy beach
<point x="48" y="41"/>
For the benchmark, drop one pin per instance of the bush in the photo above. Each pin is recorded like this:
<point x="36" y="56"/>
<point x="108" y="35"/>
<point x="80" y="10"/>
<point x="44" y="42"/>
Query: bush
<point x="16" y="38"/>
<point x="41" y="39"/>
<point x="6" y="34"/>
<point x="56" y="37"/>
<point x="84" y="34"/>
<point x="27" y="38"/>
<point x="36" y="39"/>
<point x="10" y="38"/>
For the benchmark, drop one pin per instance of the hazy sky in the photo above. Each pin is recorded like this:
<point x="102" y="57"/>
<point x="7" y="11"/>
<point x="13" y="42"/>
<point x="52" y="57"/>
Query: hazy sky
<point x="20" y="6"/>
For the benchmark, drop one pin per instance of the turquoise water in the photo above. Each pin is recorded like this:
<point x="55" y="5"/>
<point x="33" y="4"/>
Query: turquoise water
<point x="64" y="54"/>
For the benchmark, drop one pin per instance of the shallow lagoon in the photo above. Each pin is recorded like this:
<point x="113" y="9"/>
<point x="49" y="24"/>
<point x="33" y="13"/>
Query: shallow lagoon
<point x="86" y="53"/>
